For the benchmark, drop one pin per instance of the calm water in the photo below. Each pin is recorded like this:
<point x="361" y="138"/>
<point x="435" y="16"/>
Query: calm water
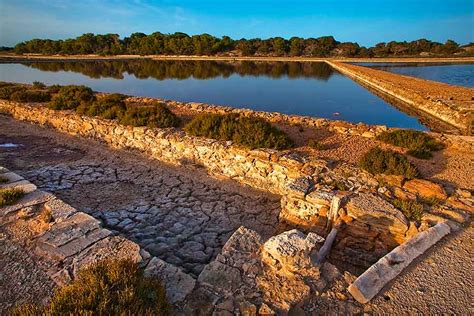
<point x="455" y="74"/>
<point x="312" y="89"/>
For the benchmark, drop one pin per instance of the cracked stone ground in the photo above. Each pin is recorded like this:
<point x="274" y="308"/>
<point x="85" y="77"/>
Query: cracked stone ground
<point x="181" y="216"/>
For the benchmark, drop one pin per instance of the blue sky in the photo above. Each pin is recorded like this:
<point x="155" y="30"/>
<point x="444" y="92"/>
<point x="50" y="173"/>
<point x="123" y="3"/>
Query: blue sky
<point x="366" y="22"/>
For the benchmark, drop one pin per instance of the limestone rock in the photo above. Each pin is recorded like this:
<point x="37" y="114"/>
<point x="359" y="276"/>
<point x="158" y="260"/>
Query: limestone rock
<point x="289" y="252"/>
<point x="71" y="236"/>
<point x="177" y="283"/>
<point x="425" y="188"/>
<point x="114" y="247"/>
<point x="375" y="211"/>
<point x="247" y="309"/>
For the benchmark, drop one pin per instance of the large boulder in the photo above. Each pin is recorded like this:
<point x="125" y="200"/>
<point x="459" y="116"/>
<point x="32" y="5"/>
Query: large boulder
<point x="378" y="213"/>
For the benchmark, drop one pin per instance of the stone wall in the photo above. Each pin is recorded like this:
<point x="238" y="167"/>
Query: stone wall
<point x="269" y="170"/>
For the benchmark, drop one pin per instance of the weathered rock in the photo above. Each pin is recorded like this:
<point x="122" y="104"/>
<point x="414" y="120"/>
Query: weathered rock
<point x="11" y="177"/>
<point x="71" y="236"/>
<point x="177" y="283"/>
<point x="376" y="212"/>
<point x="289" y="252"/>
<point x="247" y="309"/>
<point x="391" y="180"/>
<point x="23" y="185"/>
<point x="113" y="247"/>
<point x="265" y="310"/>
<point x="425" y="188"/>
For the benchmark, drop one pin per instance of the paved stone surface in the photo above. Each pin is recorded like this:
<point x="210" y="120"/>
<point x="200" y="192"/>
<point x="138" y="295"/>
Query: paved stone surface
<point x="180" y="216"/>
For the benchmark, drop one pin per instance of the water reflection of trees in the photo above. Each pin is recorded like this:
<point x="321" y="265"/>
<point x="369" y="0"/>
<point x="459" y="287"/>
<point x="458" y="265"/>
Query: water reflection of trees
<point x="161" y="70"/>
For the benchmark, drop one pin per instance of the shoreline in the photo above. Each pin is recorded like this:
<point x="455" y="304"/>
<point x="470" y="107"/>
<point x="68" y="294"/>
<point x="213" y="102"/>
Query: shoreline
<point x="34" y="57"/>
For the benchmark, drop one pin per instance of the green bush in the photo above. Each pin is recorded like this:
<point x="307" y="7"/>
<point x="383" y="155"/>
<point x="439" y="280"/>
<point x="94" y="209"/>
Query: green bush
<point x="70" y="97"/>
<point x="10" y="196"/>
<point x="411" y="209"/>
<point x="39" y="85"/>
<point x="111" y="106"/>
<point x="30" y="96"/>
<point x="111" y="287"/>
<point x="8" y="90"/>
<point x="419" y="144"/>
<point x="378" y="161"/>
<point x="315" y="144"/>
<point x="156" y="115"/>
<point x="54" y="88"/>
<point x="247" y="131"/>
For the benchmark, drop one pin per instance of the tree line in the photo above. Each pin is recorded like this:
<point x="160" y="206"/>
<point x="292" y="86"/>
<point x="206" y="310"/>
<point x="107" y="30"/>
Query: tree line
<point x="204" y="44"/>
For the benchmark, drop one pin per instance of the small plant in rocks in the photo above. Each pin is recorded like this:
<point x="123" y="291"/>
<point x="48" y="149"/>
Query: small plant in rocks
<point x="410" y="208"/>
<point x="10" y="196"/>
<point x="110" y="287"/>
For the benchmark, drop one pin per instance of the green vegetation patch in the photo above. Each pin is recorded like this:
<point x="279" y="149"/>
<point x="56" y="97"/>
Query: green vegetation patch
<point x="157" y="115"/>
<point x="70" y="97"/>
<point x="378" y="161"/>
<point x="30" y="96"/>
<point x="419" y="144"/>
<point x="39" y="85"/>
<point x="111" y="106"/>
<point x="6" y="91"/>
<point x="247" y="131"/>
<point x="10" y="196"/>
<point x="410" y="208"/>
<point x="111" y="287"/>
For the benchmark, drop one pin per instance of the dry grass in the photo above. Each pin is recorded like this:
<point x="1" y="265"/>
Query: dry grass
<point x="10" y="196"/>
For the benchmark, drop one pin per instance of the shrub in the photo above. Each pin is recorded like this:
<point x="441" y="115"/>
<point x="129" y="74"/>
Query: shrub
<point x="315" y="144"/>
<point x="30" y="96"/>
<point x="378" y="161"/>
<point x="38" y="85"/>
<point x="153" y="116"/>
<point x="54" y="88"/>
<point x="70" y="97"/>
<point x="247" y="131"/>
<point x="10" y="196"/>
<point x="110" y="287"/>
<point x="419" y="144"/>
<point x="111" y="106"/>
<point x="7" y="91"/>
<point x="411" y="209"/>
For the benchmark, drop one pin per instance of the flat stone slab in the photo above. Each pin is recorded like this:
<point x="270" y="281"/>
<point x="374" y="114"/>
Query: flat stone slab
<point x="11" y="177"/>
<point x="31" y="199"/>
<point x="177" y="283"/>
<point x="24" y="185"/>
<point x="59" y="209"/>
<point x="367" y="285"/>
<point x="3" y="170"/>
<point x="112" y="247"/>
<point x="375" y="211"/>
<point x="71" y="236"/>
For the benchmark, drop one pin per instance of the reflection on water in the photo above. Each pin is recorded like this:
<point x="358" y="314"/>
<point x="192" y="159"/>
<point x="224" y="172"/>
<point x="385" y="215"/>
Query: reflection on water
<point x="144" y="69"/>
<point x="312" y="89"/>
<point x="455" y="74"/>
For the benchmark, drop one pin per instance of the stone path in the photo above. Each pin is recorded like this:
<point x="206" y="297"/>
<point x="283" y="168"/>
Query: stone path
<point x="180" y="216"/>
